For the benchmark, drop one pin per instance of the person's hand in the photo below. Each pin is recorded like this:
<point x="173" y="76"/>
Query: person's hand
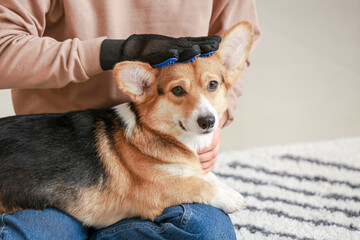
<point x="158" y="50"/>
<point x="208" y="155"/>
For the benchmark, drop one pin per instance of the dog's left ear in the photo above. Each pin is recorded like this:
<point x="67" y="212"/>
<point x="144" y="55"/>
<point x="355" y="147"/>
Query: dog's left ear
<point x="234" y="49"/>
<point x="136" y="79"/>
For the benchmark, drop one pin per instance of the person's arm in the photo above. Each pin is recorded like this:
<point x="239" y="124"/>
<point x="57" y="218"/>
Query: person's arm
<point x="30" y="60"/>
<point x="225" y="15"/>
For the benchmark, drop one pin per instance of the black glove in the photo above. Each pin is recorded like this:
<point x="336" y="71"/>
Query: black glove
<point x="158" y="50"/>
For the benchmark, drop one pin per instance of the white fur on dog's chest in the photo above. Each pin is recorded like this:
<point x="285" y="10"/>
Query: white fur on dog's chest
<point x="195" y="142"/>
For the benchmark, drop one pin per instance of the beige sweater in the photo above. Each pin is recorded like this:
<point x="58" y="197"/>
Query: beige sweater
<point x="49" y="50"/>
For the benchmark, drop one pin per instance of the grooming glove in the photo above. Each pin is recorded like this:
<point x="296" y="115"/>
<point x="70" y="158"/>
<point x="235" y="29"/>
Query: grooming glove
<point x="157" y="50"/>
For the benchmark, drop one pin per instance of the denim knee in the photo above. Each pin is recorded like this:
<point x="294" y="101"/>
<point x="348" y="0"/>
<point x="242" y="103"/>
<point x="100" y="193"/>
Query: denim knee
<point x="41" y="225"/>
<point x="207" y="222"/>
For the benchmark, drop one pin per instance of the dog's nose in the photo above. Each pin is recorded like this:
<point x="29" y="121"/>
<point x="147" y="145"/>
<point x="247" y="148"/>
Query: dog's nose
<point x="206" y="122"/>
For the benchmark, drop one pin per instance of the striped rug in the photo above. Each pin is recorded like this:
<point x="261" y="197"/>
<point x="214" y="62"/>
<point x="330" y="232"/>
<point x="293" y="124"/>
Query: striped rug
<point x="303" y="191"/>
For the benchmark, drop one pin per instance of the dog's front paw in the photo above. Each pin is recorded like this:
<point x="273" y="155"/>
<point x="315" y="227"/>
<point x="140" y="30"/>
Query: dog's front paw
<point x="228" y="200"/>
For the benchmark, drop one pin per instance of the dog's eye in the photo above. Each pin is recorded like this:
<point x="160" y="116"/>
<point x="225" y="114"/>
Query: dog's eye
<point x="178" y="91"/>
<point x="213" y="85"/>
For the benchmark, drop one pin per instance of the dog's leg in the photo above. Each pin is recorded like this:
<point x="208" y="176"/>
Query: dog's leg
<point x="227" y="199"/>
<point x="210" y="191"/>
<point x="213" y="180"/>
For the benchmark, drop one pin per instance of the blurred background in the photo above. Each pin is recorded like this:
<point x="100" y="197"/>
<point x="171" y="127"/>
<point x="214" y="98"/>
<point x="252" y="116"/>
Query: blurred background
<point x="304" y="80"/>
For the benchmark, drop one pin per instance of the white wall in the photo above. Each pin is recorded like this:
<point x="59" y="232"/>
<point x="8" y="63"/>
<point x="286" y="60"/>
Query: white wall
<point x="6" y="108"/>
<point x="304" y="81"/>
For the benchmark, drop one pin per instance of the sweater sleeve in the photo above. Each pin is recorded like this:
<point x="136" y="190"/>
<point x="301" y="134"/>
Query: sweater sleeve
<point x="226" y="14"/>
<point x="30" y="60"/>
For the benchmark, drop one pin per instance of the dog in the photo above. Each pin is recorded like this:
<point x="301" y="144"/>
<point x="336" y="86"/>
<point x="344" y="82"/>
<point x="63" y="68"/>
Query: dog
<point x="135" y="159"/>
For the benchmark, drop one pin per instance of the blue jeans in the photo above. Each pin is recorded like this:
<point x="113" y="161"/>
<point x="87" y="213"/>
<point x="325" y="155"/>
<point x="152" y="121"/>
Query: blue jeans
<point x="188" y="221"/>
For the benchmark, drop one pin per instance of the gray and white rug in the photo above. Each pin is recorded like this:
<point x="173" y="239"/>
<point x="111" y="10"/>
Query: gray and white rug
<point x="302" y="191"/>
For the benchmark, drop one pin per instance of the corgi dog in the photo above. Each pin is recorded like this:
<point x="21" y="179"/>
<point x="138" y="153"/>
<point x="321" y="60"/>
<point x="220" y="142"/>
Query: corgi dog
<point x="135" y="159"/>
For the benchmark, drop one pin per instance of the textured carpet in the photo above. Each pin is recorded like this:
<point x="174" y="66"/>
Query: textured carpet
<point x="303" y="191"/>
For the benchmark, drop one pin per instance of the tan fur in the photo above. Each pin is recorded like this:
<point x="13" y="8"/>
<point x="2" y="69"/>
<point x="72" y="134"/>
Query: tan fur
<point x="2" y="209"/>
<point x="8" y="211"/>
<point x="135" y="180"/>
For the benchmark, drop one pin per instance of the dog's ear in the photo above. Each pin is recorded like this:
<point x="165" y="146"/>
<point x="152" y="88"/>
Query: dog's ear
<point x="136" y="79"/>
<point x="234" y="49"/>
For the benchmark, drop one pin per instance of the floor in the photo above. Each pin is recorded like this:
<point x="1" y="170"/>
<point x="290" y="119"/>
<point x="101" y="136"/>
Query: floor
<point x="304" y="81"/>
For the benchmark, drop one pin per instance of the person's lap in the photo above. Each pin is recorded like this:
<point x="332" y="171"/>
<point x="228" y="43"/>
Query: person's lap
<point x="188" y="221"/>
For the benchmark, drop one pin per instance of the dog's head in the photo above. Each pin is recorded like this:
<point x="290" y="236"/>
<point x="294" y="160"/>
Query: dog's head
<point x="187" y="98"/>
